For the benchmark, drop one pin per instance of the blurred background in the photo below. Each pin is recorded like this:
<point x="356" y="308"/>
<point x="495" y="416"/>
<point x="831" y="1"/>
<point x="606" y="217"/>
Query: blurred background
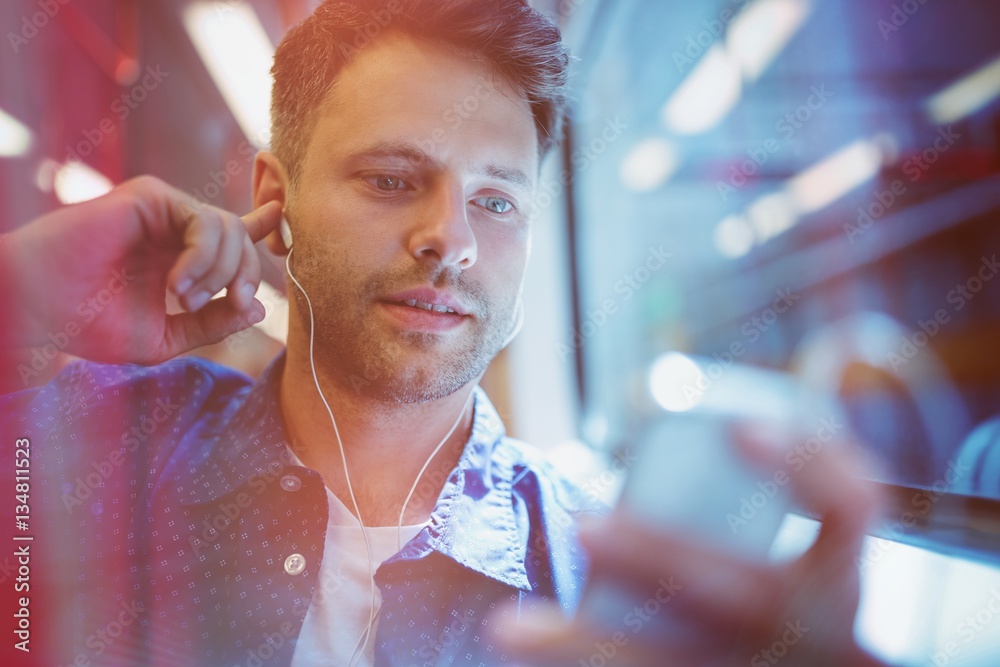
<point x="801" y="193"/>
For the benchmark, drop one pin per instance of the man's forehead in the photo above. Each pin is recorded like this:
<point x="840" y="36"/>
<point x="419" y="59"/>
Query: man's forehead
<point x="401" y="96"/>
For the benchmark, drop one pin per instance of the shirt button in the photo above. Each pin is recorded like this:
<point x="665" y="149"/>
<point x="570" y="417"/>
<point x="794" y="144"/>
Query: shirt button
<point x="294" y="564"/>
<point x="291" y="483"/>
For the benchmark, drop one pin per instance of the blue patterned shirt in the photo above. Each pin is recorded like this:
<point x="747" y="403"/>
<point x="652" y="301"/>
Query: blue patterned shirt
<point x="178" y="532"/>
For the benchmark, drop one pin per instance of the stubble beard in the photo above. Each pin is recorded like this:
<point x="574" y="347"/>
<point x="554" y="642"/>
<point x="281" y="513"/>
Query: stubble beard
<point x="357" y="349"/>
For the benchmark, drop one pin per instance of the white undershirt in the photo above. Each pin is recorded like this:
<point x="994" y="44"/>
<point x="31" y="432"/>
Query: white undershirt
<point x="342" y="603"/>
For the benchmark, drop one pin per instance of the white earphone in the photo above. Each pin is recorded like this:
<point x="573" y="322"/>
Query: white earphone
<point x="286" y="237"/>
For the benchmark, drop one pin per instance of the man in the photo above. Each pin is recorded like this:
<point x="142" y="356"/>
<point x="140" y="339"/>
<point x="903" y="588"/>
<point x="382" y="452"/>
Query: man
<point x="217" y="521"/>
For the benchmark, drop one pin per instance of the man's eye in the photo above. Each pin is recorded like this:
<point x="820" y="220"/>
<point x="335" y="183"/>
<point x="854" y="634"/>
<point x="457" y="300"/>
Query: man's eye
<point x="494" y="204"/>
<point x="388" y="183"/>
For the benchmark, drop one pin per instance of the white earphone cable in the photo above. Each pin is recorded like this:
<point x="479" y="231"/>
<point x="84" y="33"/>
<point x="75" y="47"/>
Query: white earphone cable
<point x="366" y="634"/>
<point x="399" y="525"/>
<point x="343" y="457"/>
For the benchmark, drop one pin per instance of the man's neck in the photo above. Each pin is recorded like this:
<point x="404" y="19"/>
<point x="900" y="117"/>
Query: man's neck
<point x="385" y="444"/>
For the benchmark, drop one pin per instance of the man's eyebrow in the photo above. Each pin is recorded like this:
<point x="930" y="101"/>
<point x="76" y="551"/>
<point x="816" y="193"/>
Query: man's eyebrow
<point x="395" y="151"/>
<point x="515" y="176"/>
<point x="418" y="157"/>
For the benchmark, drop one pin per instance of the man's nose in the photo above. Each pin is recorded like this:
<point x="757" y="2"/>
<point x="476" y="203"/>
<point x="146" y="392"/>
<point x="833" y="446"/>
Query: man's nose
<point x="443" y="233"/>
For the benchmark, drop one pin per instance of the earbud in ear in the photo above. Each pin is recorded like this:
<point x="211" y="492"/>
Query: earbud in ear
<point x="286" y="233"/>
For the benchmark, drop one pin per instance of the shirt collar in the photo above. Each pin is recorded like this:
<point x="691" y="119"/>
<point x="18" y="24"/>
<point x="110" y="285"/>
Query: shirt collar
<point x="473" y="522"/>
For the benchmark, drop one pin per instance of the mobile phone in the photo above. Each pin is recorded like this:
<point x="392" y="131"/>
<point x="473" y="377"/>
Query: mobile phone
<point x="689" y="479"/>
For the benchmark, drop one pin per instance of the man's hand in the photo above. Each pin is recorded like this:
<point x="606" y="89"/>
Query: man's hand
<point x="94" y="276"/>
<point x="735" y="612"/>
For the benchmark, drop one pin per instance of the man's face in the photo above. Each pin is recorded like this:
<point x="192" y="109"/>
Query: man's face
<point x="414" y="191"/>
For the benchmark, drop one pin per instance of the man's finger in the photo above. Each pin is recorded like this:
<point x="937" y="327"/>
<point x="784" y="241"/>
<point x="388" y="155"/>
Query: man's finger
<point x="244" y="285"/>
<point x="211" y="324"/>
<point x="263" y="220"/>
<point x="202" y="238"/>
<point x="827" y="475"/>
<point x="846" y="501"/>
<point x="714" y="585"/>
<point x="226" y="263"/>
<point x="544" y="637"/>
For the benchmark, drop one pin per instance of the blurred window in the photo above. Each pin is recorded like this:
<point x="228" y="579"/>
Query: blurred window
<point x="810" y="187"/>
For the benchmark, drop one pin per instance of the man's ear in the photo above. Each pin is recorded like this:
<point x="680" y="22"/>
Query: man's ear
<point x="270" y="183"/>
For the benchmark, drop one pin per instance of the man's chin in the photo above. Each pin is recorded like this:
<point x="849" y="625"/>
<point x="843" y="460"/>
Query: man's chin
<point x="426" y="375"/>
<point x="389" y="365"/>
<point x="410" y="388"/>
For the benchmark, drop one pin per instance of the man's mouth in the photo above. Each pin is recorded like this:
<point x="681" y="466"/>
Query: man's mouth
<point x="437" y="308"/>
<point x="426" y="309"/>
<point x="426" y="298"/>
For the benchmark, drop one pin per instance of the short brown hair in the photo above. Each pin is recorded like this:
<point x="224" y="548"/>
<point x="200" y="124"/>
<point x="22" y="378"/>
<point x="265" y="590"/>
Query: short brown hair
<point x="523" y="47"/>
